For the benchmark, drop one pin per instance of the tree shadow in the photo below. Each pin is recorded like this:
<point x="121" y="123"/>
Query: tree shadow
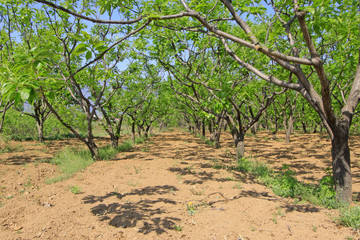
<point x="132" y="214"/>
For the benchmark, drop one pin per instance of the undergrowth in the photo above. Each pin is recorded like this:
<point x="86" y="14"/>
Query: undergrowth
<point x="283" y="183"/>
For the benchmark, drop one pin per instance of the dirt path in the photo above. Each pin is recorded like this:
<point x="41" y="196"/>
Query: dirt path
<point x="166" y="188"/>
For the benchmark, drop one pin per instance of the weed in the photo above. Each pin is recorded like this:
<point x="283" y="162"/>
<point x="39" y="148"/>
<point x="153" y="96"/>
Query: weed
<point x="253" y="229"/>
<point x="191" y="208"/>
<point x="75" y="189"/>
<point x="314" y="228"/>
<point x="285" y="184"/>
<point x="229" y="179"/>
<point x="178" y="228"/>
<point x="350" y="217"/>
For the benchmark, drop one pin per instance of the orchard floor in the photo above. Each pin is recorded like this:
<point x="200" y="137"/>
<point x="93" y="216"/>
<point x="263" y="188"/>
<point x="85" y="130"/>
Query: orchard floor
<point x="145" y="193"/>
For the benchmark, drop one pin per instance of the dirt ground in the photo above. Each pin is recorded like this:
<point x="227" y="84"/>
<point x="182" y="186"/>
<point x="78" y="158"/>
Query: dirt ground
<point x="166" y="188"/>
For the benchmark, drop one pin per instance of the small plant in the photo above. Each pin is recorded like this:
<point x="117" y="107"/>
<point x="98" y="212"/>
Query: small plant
<point x="178" y="228"/>
<point x="8" y="196"/>
<point x="75" y="189"/>
<point x="137" y="169"/>
<point x="238" y="186"/>
<point x="28" y="183"/>
<point x="197" y="192"/>
<point x="132" y="183"/>
<point x="314" y="228"/>
<point x="191" y="208"/>
<point x="274" y="218"/>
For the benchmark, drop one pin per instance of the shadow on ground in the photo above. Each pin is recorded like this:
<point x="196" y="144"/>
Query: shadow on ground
<point x="143" y="214"/>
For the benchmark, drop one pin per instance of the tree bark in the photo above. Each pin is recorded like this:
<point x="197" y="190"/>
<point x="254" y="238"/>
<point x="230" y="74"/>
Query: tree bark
<point x="240" y="146"/>
<point x="341" y="165"/>
<point x="40" y="128"/>
<point x="133" y="132"/>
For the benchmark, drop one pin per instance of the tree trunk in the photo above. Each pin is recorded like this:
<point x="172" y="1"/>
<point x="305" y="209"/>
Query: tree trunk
<point x="240" y="146"/>
<point x="217" y="136"/>
<point x="304" y="127"/>
<point x="114" y="141"/>
<point x="341" y="166"/>
<point x="203" y="128"/>
<point x="40" y="128"/>
<point x="94" y="150"/>
<point x="288" y="128"/>
<point x="133" y="132"/>
<point x="254" y="128"/>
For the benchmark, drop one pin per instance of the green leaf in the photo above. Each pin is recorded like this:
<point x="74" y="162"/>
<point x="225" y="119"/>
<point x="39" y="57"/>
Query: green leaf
<point x="25" y="93"/>
<point x="81" y="48"/>
<point x="88" y="55"/>
<point x="76" y="36"/>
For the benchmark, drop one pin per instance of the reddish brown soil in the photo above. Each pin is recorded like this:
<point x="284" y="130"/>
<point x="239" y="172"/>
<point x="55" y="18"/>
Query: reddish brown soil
<point x="144" y="193"/>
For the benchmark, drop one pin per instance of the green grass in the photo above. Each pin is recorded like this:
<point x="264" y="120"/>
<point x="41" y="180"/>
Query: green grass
<point x="108" y="152"/>
<point x="75" y="189"/>
<point x="11" y="148"/>
<point x="283" y="183"/>
<point x="70" y="161"/>
<point x="125" y="146"/>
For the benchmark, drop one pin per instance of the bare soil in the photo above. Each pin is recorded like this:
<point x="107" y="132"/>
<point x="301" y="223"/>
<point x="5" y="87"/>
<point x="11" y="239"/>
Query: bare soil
<point x="166" y="188"/>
